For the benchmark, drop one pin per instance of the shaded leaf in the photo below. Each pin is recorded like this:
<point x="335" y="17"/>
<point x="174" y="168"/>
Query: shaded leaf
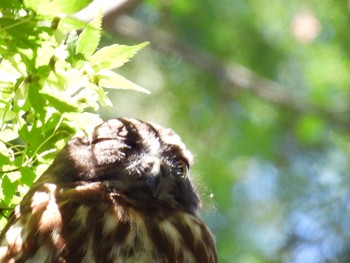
<point x="36" y="99"/>
<point x="8" y="188"/>
<point x="60" y="104"/>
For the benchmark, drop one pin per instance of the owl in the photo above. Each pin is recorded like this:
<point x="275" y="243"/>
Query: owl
<point x="119" y="193"/>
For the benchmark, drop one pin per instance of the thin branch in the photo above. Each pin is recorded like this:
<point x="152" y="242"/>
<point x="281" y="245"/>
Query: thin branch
<point x="7" y="208"/>
<point x="237" y="76"/>
<point x="234" y="74"/>
<point x="110" y="9"/>
<point x="9" y="171"/>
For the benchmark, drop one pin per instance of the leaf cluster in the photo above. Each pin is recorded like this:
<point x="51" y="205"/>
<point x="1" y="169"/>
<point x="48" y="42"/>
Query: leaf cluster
<point x="50" y="78"/>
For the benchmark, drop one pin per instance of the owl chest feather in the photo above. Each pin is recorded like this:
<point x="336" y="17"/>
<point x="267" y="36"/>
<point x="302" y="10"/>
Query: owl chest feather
<point x="88" y="224"/>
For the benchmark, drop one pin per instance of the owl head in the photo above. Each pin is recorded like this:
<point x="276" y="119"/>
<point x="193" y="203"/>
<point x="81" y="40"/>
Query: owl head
<point x="140" y="161"/>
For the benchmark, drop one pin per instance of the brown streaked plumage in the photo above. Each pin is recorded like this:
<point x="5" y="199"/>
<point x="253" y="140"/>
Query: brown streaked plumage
<point x="119" y="193"/>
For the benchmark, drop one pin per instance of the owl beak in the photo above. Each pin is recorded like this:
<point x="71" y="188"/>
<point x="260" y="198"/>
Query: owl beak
<point x="154" y="176"/>
<point x="154" y="183"/>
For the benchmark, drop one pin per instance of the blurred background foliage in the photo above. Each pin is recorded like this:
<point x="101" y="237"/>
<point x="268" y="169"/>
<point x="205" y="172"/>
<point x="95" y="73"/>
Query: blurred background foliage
<point x="259" y="91"/>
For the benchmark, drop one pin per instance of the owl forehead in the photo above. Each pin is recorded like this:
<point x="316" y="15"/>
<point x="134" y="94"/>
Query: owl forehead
<point x="144" y="137"/>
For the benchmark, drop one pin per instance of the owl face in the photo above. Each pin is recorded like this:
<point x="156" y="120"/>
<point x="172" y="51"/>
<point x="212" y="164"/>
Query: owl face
<point x="141" y="161"/>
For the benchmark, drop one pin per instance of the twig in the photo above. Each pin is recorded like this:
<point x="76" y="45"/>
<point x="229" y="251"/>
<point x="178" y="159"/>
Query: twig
<point x="237" y="76"/>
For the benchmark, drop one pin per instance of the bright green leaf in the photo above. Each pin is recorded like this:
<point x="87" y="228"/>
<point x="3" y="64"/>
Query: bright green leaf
<point x="8" y="135"/>
<point x="90" y="37"/>
<point x="4" y="160"/>
<point x="62" y="6"/>
<point x="102" y="96"/>
<point x="69" y="24"/>
<point x="114" y="56"/>
<point x="34" y="4"/>
<point x="82" y="121"/>
<point x="112" y="80"/>
<point x="2" y="195"/>
<point x="7" y="115"/>
<point x="14" y="176"/>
